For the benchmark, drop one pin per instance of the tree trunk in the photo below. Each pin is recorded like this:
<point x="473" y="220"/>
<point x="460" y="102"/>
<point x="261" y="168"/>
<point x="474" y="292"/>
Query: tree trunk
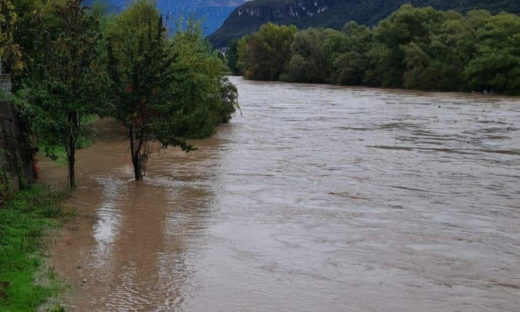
<point x="137" y="167"/>
<point x="71" y="148"/>
<point x="135" y="156"/>
<point x="71" y="163"/>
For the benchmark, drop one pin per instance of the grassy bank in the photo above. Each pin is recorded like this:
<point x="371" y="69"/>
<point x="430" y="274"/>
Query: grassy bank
<point x="24" y="284"/>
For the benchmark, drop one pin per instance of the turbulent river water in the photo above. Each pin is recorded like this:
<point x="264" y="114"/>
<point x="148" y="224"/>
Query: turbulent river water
<point x="314" y="198"/>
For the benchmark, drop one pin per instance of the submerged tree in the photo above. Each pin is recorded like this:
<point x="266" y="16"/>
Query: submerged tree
<point x="68" y="85"/>
<point x="203" y="95"/>
<point x="141" y="70"/>
<point x="165" y="90"/>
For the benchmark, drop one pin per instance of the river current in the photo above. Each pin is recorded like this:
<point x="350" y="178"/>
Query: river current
<point x="313" y="198"/>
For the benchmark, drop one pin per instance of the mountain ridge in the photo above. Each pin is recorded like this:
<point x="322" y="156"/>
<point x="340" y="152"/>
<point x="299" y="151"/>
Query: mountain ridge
<point x="248" y="17"/>
<point x="211" y="12"/>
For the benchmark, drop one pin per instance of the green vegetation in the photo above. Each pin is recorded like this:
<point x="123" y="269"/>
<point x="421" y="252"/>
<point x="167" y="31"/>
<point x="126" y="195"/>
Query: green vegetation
<point x="69" y="82"/>
<point x="414" y="48"/>
<point x="141" y="70"/>
<point x="69" y="61"/>
<point x="9" y="49"/>
<point x="264" y="55"/>
<point x="165" y="89"/>
<point x="205" y="97"/>
<point x="23" y="284"/>
<point x="58" y="153"/>
<point x="232" y="56"/>
<point x="251" y="15"/>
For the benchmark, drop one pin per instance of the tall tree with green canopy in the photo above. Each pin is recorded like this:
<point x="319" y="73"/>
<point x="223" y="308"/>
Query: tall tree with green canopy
<point x="141" y="69"/>
<point x="165" y="90"/>
<point x="496" y="66"/>
<point x="265" y="54"/>
<point x="432" y="61"/>
<point x="69" y="84"/>
<point x="349" y="48"/>
<point x="203" y="95"/>
<point x="310" y="58"/>
<point x="232" y="56"/>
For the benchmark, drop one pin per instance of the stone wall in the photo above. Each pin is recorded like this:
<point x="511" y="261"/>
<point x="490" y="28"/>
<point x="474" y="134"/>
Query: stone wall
<point x="5" y="83"/>
<point x="16" y="152"/>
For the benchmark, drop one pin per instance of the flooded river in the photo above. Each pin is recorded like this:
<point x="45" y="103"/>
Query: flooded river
<point x="316" y="198"/>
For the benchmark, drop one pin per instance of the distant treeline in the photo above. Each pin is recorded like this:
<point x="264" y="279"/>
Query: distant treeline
<point x="413" y="48"/>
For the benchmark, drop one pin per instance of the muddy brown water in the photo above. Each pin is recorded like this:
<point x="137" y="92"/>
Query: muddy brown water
<point x="316" y="198"/>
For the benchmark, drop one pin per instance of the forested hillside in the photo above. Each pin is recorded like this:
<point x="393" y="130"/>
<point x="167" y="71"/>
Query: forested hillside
<point x="413" y="48"/>
<point x="334" y="13"/>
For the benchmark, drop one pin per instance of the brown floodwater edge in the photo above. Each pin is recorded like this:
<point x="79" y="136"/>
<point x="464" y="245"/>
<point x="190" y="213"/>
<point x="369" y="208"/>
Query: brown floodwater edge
<point x="315" y="198"/>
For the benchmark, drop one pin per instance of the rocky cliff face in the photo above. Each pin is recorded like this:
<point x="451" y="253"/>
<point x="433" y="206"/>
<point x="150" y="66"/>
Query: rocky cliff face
<point x="333" y="13"/>
<point x="301" y="8"/>
<point x="212" y="13"/>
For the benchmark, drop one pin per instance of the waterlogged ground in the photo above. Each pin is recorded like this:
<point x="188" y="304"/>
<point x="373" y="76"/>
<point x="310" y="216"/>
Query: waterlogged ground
<point x="316" y="198"/>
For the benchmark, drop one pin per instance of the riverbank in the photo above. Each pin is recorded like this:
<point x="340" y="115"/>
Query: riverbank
<point x="414" y="91"/>
<point x="25" y="282"/>
<point x="27" y="223"/>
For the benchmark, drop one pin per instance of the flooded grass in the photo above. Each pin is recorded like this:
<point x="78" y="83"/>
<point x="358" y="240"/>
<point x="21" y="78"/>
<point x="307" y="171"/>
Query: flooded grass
<point x="23" y="220"/>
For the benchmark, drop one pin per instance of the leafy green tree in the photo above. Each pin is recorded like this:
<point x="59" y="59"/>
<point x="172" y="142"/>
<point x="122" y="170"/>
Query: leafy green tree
<point x="265" y="54"/>
<point x="416" y="48"/>
<point x="203" y="95"/>
<point x="496" y="66"/>
<point x="10" y="52"/>
<point x="310" y="59"/>
<point x="232" y="56"/>
<point x="165" y="90"/>
<point x="141" y="71"/>
<point x="402" y="27"/>
<point x="350" y="61"/>
<point x="243" y="55"/>
<point x="459" y="36"/>
<point x="228" y="99"/>
<point x="380" y="61"/>
<point x="69" y="85"/>
<point x="431" y="63"/>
